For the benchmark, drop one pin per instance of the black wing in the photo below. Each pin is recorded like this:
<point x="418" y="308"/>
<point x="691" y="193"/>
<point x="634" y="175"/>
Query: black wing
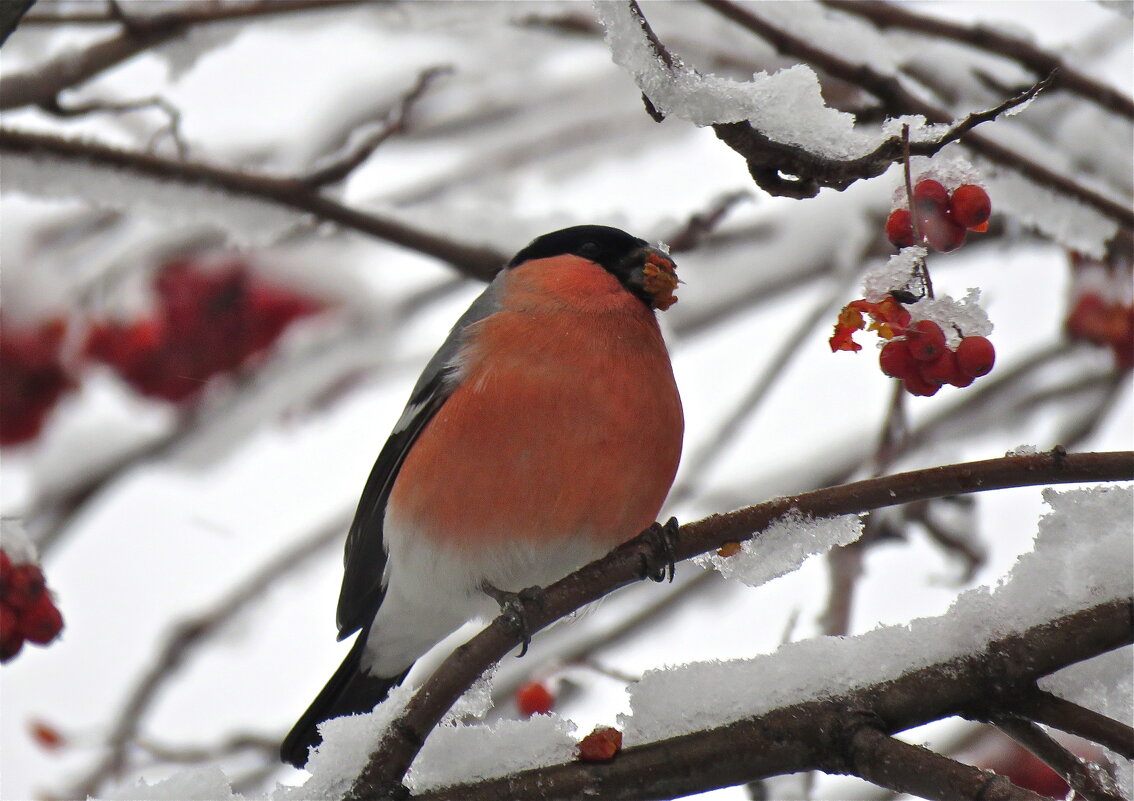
<point x="365" y="557"/>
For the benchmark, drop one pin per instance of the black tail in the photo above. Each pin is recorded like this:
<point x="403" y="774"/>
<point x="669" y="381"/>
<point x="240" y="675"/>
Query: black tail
<point x="350" y="691"/>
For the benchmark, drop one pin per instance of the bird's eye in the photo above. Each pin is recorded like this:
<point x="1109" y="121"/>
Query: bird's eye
<point x="588" y="250"/>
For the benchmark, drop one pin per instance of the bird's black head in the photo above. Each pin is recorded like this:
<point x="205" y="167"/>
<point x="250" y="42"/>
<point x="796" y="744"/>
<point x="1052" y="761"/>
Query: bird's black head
<point x="646" y="272"/>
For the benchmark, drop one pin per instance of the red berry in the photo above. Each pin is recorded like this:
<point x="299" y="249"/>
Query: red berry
<point x="601" y="745"/>
<point x="24" y="587"/>
<point x="42" y="622"/>
<point x="941" y="370"/>
<point x="10" y="645"/>
<point x="11" y="641"/>
<point x="899" y="228"/>
<point x="942" y="233"/>
<point x="975" y="356"/>
<point x="534" y="699"/>
<point x="1087" y="319"/>
<point x="961" y="380"/>
<point x="929" y="194"/>
<point x="5" y="568"/>
<point x="926" y="340"/>
<point x="916" y="385"/>
<point x="970" y="205"/>
<point x="896" y="360"/>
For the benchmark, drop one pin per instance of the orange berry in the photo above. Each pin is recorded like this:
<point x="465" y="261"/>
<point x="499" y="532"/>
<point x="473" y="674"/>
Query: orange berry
<point x="601" y="745"/>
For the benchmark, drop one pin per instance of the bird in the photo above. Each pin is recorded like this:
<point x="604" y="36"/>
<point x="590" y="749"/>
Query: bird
<point x="545" y="431"/>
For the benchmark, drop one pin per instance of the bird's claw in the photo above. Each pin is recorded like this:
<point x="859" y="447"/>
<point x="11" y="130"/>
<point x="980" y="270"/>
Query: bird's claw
<point x="658" y="564"/>
<point x="514" y="607"/>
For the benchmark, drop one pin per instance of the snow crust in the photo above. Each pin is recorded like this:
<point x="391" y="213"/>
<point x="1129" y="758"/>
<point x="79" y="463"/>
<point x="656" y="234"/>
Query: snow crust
<point x="783" y="546"/>
<point x="249" y="222"/>
<point x="1065" y="220"/>
<point x="1065" y="572"/>
<point x="787" y="106"/>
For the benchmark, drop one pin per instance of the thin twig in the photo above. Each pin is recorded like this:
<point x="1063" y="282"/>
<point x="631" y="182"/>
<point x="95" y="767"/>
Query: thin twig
<point x="1059" y="713"/>
<point x="342" y="164"/>
<point x="768" y="159"/>
<point x="173" y="115"/>
<point x="478" y="262"/>
<point x="1039" y="61"/>
<point x="1083" y="781"/>
<point x="139" y="32"/>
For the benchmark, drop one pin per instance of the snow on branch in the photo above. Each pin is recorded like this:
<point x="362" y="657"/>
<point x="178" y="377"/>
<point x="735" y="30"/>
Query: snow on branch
<point x="623" y="566"/>
<point x="252" y="205"/>
<point x="794" y="144"/>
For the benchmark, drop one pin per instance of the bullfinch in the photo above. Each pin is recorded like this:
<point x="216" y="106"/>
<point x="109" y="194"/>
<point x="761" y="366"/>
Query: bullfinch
<point x="545" y="431"/>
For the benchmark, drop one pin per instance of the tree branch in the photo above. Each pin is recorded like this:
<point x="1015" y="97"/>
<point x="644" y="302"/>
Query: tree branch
<point x="624" y="566"/>
<point x="914" y="770"/>
<point x="813" y="735"/>
<point x="41" y="84"/>
<point x="1081" y="779"/>
<point x="477" y="262"/>
<point x="338" y="168"/>
<point x="892" y="15"/>
<point x="766" y="158"/>
<point x="1051" y="710"/>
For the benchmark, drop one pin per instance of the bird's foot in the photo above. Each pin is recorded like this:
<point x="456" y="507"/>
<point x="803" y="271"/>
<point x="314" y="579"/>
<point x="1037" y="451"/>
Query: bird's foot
<point x="514" y="607"/>
<point x="658" y="564"/>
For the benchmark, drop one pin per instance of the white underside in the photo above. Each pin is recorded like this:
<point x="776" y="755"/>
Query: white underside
<point x="432" y="590"/>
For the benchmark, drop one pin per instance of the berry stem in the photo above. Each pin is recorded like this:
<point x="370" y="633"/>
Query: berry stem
<point x="910" y="205"/>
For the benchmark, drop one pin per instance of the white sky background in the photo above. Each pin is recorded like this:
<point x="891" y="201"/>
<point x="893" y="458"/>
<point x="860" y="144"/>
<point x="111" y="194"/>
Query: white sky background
<point x="169" y="539"/>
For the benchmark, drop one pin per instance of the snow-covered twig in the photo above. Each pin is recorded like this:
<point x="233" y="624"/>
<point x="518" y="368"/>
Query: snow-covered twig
<point x="43" y="83"/>
<point x="1039" y="61"/>
<point x="623" y="566"/>
<point x="478" y="262"/>
<point x="839" y="733"/>
<point x="768" y="159"/>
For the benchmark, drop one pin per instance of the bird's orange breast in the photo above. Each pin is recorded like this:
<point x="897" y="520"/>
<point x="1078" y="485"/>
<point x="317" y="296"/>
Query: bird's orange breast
<point x="566" y="421"/>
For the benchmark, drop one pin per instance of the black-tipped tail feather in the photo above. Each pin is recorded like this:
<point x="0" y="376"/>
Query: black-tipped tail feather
<point x="350" y="691"/>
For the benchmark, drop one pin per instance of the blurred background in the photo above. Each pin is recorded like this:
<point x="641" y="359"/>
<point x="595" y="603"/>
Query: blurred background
<point x="232" y="233"/>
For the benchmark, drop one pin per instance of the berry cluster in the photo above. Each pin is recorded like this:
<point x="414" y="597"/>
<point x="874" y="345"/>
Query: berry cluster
<point x="27" y="611"/>
<point x="923" y="361"/>
<point x="917" y="351"/>
<point x="943" y="219"/>
<point x="32" y="378"/>
<point x="206" y="323"/>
